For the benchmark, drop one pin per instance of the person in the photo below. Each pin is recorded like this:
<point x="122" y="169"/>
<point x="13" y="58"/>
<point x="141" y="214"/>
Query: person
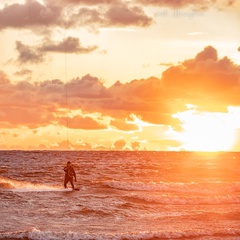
<point x="69" y="174"/>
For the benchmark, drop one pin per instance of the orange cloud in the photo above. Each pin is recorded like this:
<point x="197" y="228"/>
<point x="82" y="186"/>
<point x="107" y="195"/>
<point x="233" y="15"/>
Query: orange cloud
<point x="135" y="145"/>
<point x="79" y="122"/>
<point x="3" y="78"/>
<point x="121" y="124"/>
<point x="119" y="144"/>
<point x="205" y="81"/>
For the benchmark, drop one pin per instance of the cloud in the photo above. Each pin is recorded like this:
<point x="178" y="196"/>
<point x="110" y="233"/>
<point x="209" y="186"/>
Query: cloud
<point x="206" y="81"/>
<point x="3" y="78"/>
<point x="88" y="87"/>
<point x="94" y="2"/>
<point x="145" y="97"/>
<point x="23" y="72"/>
<point x="135" y="145"/>
<point x="186" y="3"/>
<point x="209" y="53"/>
<point x="34" y="15"/>
<point x="31" y="13"/>
<point x="27" y="54"/>
<point x="115" y="15"/>
<point x="123" y="125"/>
<point x="68" y="45"/>
<point x="79" y="122"/>
<point x="18" y="116"/>
<point x="167" y="64"/>
<point x="119" y="144"/>
<point x="37" y="54"/>
<point x="174" y="4"/>
<point x="21" y="105"/>
<point x="34" y="105"/>
<point x="123" y="15"/>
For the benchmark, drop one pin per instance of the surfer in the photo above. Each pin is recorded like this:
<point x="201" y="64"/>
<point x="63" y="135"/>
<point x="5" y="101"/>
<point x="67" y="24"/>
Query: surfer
<point x="69" y="174"/>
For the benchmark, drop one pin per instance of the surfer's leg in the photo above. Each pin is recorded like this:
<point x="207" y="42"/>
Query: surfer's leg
<point x="65" y="182"/>
<point x="71" y="181"/>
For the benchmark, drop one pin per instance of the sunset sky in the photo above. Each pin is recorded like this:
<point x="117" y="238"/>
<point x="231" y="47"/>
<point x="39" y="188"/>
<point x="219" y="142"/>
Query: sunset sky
<point x="121" y="75"/>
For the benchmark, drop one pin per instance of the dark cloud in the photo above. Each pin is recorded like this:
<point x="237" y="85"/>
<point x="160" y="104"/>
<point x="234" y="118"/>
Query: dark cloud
<point x="123" y="15"/>
<point x="175" y="3"/>
<point x="94" y="2"/>
<point x="23" y="72"/>
<point x="91" y="18"/>
<point x="117" y="15"/>
<point x="68" y="45"/>
<point x="28" y="54"/>
<point x="196" y="4"/>
<point x="31" y="13"/>
<point x="36" y="54"/>
<point x="88" y="87"/>
<point x="93" y="15"/>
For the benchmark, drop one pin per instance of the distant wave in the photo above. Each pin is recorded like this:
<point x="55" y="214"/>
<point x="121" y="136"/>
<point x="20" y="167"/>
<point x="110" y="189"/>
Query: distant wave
<point x="22" y="186"/>
<point x="193" y="188"/>
<point x="183" y="200"/>
<point x="36" y="234"/>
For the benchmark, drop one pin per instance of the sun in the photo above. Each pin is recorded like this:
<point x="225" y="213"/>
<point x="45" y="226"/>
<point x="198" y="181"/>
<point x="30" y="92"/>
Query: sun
<point x="207" y="131"/>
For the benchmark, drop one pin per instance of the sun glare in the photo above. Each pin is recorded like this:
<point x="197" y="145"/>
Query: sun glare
<point x="205" y="131"/>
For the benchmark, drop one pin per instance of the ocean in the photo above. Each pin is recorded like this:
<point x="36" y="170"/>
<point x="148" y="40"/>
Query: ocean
<point x="123" y="195"/>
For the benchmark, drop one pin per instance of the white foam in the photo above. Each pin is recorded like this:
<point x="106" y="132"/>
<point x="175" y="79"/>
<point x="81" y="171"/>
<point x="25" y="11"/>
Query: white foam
<point x="36" y="234"/>
<point x="23" y="186"/>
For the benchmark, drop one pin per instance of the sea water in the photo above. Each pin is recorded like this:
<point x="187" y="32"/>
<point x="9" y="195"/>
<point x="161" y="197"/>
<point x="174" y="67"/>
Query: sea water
<point x="123" y="195"/>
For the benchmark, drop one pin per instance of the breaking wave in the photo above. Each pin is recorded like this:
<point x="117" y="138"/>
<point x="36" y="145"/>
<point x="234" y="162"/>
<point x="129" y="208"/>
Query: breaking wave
<point x="36" y="234"/>
<point x="23" y="186"/>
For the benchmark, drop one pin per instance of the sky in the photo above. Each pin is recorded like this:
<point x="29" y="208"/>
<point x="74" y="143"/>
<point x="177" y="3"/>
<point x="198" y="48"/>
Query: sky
<point x="160" y="75"/>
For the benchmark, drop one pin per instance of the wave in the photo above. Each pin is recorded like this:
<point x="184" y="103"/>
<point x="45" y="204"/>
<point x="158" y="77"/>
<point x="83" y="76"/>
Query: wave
<point x="23" y="186"/>
<point x="184" y="200"/>
<point x="176" y="187"/>
<point x="90" y="211"/>
<point x="36" y="234"/>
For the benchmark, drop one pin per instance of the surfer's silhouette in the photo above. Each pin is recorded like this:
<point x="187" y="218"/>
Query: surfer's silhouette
<point x="69" y="175"/>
